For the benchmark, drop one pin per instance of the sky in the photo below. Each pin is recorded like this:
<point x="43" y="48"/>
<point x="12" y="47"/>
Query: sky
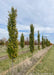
<point x="40" y="13"/>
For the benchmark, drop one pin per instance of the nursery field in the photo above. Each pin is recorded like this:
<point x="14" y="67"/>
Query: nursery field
<point x="3" y="50"/>
<point x="30" y="61"/>
<point x="26" y="37"/>
<point x="46" y="66"/>
<point x="6" y="64"/>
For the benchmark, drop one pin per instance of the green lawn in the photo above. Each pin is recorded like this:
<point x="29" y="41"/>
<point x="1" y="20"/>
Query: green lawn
<point x="46" y="66"/>
<point x="6" y="64"/>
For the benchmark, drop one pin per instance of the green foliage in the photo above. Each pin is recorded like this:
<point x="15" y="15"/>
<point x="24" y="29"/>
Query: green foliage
<point x="12" y="48"/>
<point x="22" y="41"/>
<point x="43" y="46"/>
<point x="44" y="43"/>
<point x="47" y="42"/>
<point x="38" y="40"/>
<point x="31" y="38"/>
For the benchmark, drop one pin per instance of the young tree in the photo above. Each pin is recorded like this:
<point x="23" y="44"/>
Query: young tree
<point x="22" y="41"/>
<point x="12" y="47"/>
<point x="38" y="40"/>
<point x="43" y="43"/>
<point x="27" y="42"/>
<point x="31" y="38"/>
<point x="46" y="41"/>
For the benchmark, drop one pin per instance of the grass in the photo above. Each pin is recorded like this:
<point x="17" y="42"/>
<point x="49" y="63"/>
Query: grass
<point x="46" y="66"/>
<point x="6" y="64"/>
<point x="3" y="50"/>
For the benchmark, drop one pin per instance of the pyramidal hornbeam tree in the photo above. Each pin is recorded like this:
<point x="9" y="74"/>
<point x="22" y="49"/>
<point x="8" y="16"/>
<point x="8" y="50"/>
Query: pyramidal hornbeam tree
<point x="42" y="42"/>
<point x="31" y="38"/>
<point x="38" y="40"/>
<point x="22" y="43"/>
<point x="47" y="42"/>
<point x="12" y="47"/>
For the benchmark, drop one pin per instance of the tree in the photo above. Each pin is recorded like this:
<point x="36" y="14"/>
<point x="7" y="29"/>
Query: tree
<point x="31" y="38"/>
<point x="47" y="42"/>
<point x="27" y="42"/>
<point x="22" y="41"/>
<point x="12" y="47"/>
<point x="43" y="43"/>
<point x="38" y="40"/>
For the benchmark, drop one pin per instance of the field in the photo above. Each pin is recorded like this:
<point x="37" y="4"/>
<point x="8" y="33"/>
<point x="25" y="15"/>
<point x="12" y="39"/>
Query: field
<point x="46" y="66"/>
<point x="6" y="64"/>
<point x="26" y="37"/>
<point x="3" y="50"/>
<point x="27" y="61"/>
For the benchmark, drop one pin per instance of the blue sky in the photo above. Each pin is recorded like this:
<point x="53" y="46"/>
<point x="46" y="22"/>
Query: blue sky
<point x="40" y="13"/>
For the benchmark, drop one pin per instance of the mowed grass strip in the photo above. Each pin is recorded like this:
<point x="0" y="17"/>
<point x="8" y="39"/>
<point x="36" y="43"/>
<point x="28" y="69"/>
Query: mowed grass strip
<point x="6" y="64"/>
<point x="46" y="66"/>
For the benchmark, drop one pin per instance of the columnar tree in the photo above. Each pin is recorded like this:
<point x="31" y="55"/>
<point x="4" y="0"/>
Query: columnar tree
<point x="27" y="42"/>
<point x="47" y="42"/>
<point x="31" y="38"/>
<point x="12" y="47"/>
<point x="42" y="42"/>
<point x="22" y="43"/>
<point x="38" y="40"/>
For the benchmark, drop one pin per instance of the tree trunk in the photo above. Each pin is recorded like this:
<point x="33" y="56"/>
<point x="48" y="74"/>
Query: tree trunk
<point x="12" y="67"/>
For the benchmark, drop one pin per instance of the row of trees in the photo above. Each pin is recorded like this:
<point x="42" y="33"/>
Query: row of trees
<point x="12" y="47"/>
<point x="45" y="42"/>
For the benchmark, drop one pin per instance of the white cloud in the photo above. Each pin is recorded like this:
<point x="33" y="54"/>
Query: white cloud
<point x="3" y="33"/>
<point x="38" y="12"/>
<point x="36" y="28"/>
